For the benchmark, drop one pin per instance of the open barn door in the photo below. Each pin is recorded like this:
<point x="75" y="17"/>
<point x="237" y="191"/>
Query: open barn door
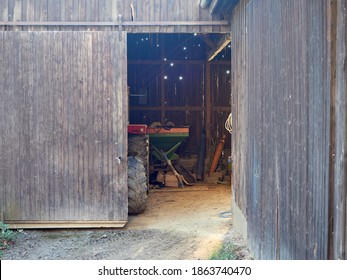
<point x="63" y="143"/>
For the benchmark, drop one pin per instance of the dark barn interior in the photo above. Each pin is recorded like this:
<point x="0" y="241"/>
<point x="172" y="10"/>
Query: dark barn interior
<point x="171" y="81"/>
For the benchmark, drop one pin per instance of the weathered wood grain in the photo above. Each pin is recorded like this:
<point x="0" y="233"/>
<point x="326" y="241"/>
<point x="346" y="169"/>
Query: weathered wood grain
<point x="63" y="107"/>
<point x="339" y="138"/>
<point x="109" y="10"/>
<point x="280" y="105"/>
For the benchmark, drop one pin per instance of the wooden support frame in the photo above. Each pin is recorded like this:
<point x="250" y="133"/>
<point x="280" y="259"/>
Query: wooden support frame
<point x="113" y="23"/>
<point x="208" y="108"/>
<point x="222" y="43"/>
<point x="191" y="62"/>
<point x="65" y="224"/>
<point x="209" y="42"/>
<point x="176" y="108"/>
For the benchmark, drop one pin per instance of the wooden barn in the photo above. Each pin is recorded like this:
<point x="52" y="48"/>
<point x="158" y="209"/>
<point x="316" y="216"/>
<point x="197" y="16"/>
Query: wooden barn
<point x="75" y="73"/>
<point x="289" y="142"/>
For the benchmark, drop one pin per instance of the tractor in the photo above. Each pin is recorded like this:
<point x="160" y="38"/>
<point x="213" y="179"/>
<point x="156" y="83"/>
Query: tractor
<point x="151" y="149"/>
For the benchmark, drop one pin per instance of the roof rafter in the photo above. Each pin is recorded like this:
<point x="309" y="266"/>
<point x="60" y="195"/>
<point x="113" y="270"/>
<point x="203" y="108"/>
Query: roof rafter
<point x="222" y="43"/>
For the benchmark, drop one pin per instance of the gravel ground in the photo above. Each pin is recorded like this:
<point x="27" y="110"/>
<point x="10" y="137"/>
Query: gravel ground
<point x="179" y="224"/>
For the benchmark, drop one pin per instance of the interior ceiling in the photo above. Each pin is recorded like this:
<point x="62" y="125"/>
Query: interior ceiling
<point x="178" y="46"/>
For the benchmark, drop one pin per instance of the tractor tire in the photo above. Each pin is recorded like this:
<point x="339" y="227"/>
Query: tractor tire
<point x="137" y="186"/>
<point x="138" y="146"/>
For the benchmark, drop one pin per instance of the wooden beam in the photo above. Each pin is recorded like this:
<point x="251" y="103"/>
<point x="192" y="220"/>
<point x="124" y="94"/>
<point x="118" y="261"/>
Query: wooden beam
<point x="113" y="23"/>
<point x="222" y="43"/>
<point x="173" y="108"/>
<point x="183" y="108"/>
<point x="190" y="62"/>
<point x="64" y="224"/>
<point x="209" y="42"/>
<point x="221" y="109"/>
<point x="208" y="110"/>
<point x="162" y="86"/>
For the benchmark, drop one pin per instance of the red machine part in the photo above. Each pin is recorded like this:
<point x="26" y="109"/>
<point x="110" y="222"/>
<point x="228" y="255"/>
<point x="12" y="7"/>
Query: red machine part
<point x="137" y="129"/>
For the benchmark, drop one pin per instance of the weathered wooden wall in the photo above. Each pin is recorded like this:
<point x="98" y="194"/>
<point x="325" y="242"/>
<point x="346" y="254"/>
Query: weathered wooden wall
<point x="63" y="144"/>
<point x="338" y="155"/>
<point x="281" y="126"/>
<point x="109" y="10"/>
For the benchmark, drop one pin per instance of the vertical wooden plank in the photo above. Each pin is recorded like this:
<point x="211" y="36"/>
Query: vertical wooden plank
<point x="54" y="10"/>
<point x="68" y="10"/>
<point x="102" y="10"/>
<point x="90" y="10"/>
<point x="74" y="135"/>
<point x="59" y="130"/>
<point x="154" y="12"/>
<point x="98" y="116"/>
<point x="106" y="98"/>
<point x="108" y="13"/>
<point x="162" y="84"/>
<point x="166" y="9"/>
<point x="116" y="10"/>
<point x="2" y="130"/>
<point x="29" y="11"/>
<point x="21" y="91"/>
<point x="18" y="103"/>
<point x="340" y="163"/>
<point x="64" y="128"/>
<point x="80" y="125"/>
<point x="39" y="87"/>
<point x="331" y="36"/>
<point x="82" y="10"/>
<point x="24" y="9"/>
<point x="345" y="147"/>
<point x="83" y="74"/>
<point x="8" y="128"/>
<point x="10" y="9"/>
<point x="122" y="86"/>
<point x="114" y="97"/>
<point x="42" y="10"/>
<point x="68" y="117"/>
<point x="24" y="14"/>
<point x="16" y="12"/>
<point x="90" y="145"/>
<point x="208" y="107"/>
<point x="145" y="12"/>
<point x="37" y="10"/>
<point x="4" y="10"/>
<point x="75" y="11"/>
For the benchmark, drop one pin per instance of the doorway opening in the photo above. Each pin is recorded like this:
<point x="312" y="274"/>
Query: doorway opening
<point x="172" y="83"/>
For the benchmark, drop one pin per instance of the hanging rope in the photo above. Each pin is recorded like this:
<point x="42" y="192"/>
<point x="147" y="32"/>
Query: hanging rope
<point x="228" y="123"/>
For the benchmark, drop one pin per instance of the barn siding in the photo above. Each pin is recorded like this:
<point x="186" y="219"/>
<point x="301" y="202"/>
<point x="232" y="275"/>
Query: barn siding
<point x="109" y="10"/>
<point x="281" y="88"/>
<point x="62" y="127"/>
<point x="338" y="241"/>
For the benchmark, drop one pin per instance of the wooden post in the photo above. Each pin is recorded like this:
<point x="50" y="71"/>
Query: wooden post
<point x="162" y="83"/>
<point x="332" y="21"/>
<point x="208" y="109"/>
<point x="345" y="159"/>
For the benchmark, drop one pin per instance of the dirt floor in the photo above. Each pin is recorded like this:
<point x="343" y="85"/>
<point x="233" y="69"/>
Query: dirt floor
<point x="180" y="224"/>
